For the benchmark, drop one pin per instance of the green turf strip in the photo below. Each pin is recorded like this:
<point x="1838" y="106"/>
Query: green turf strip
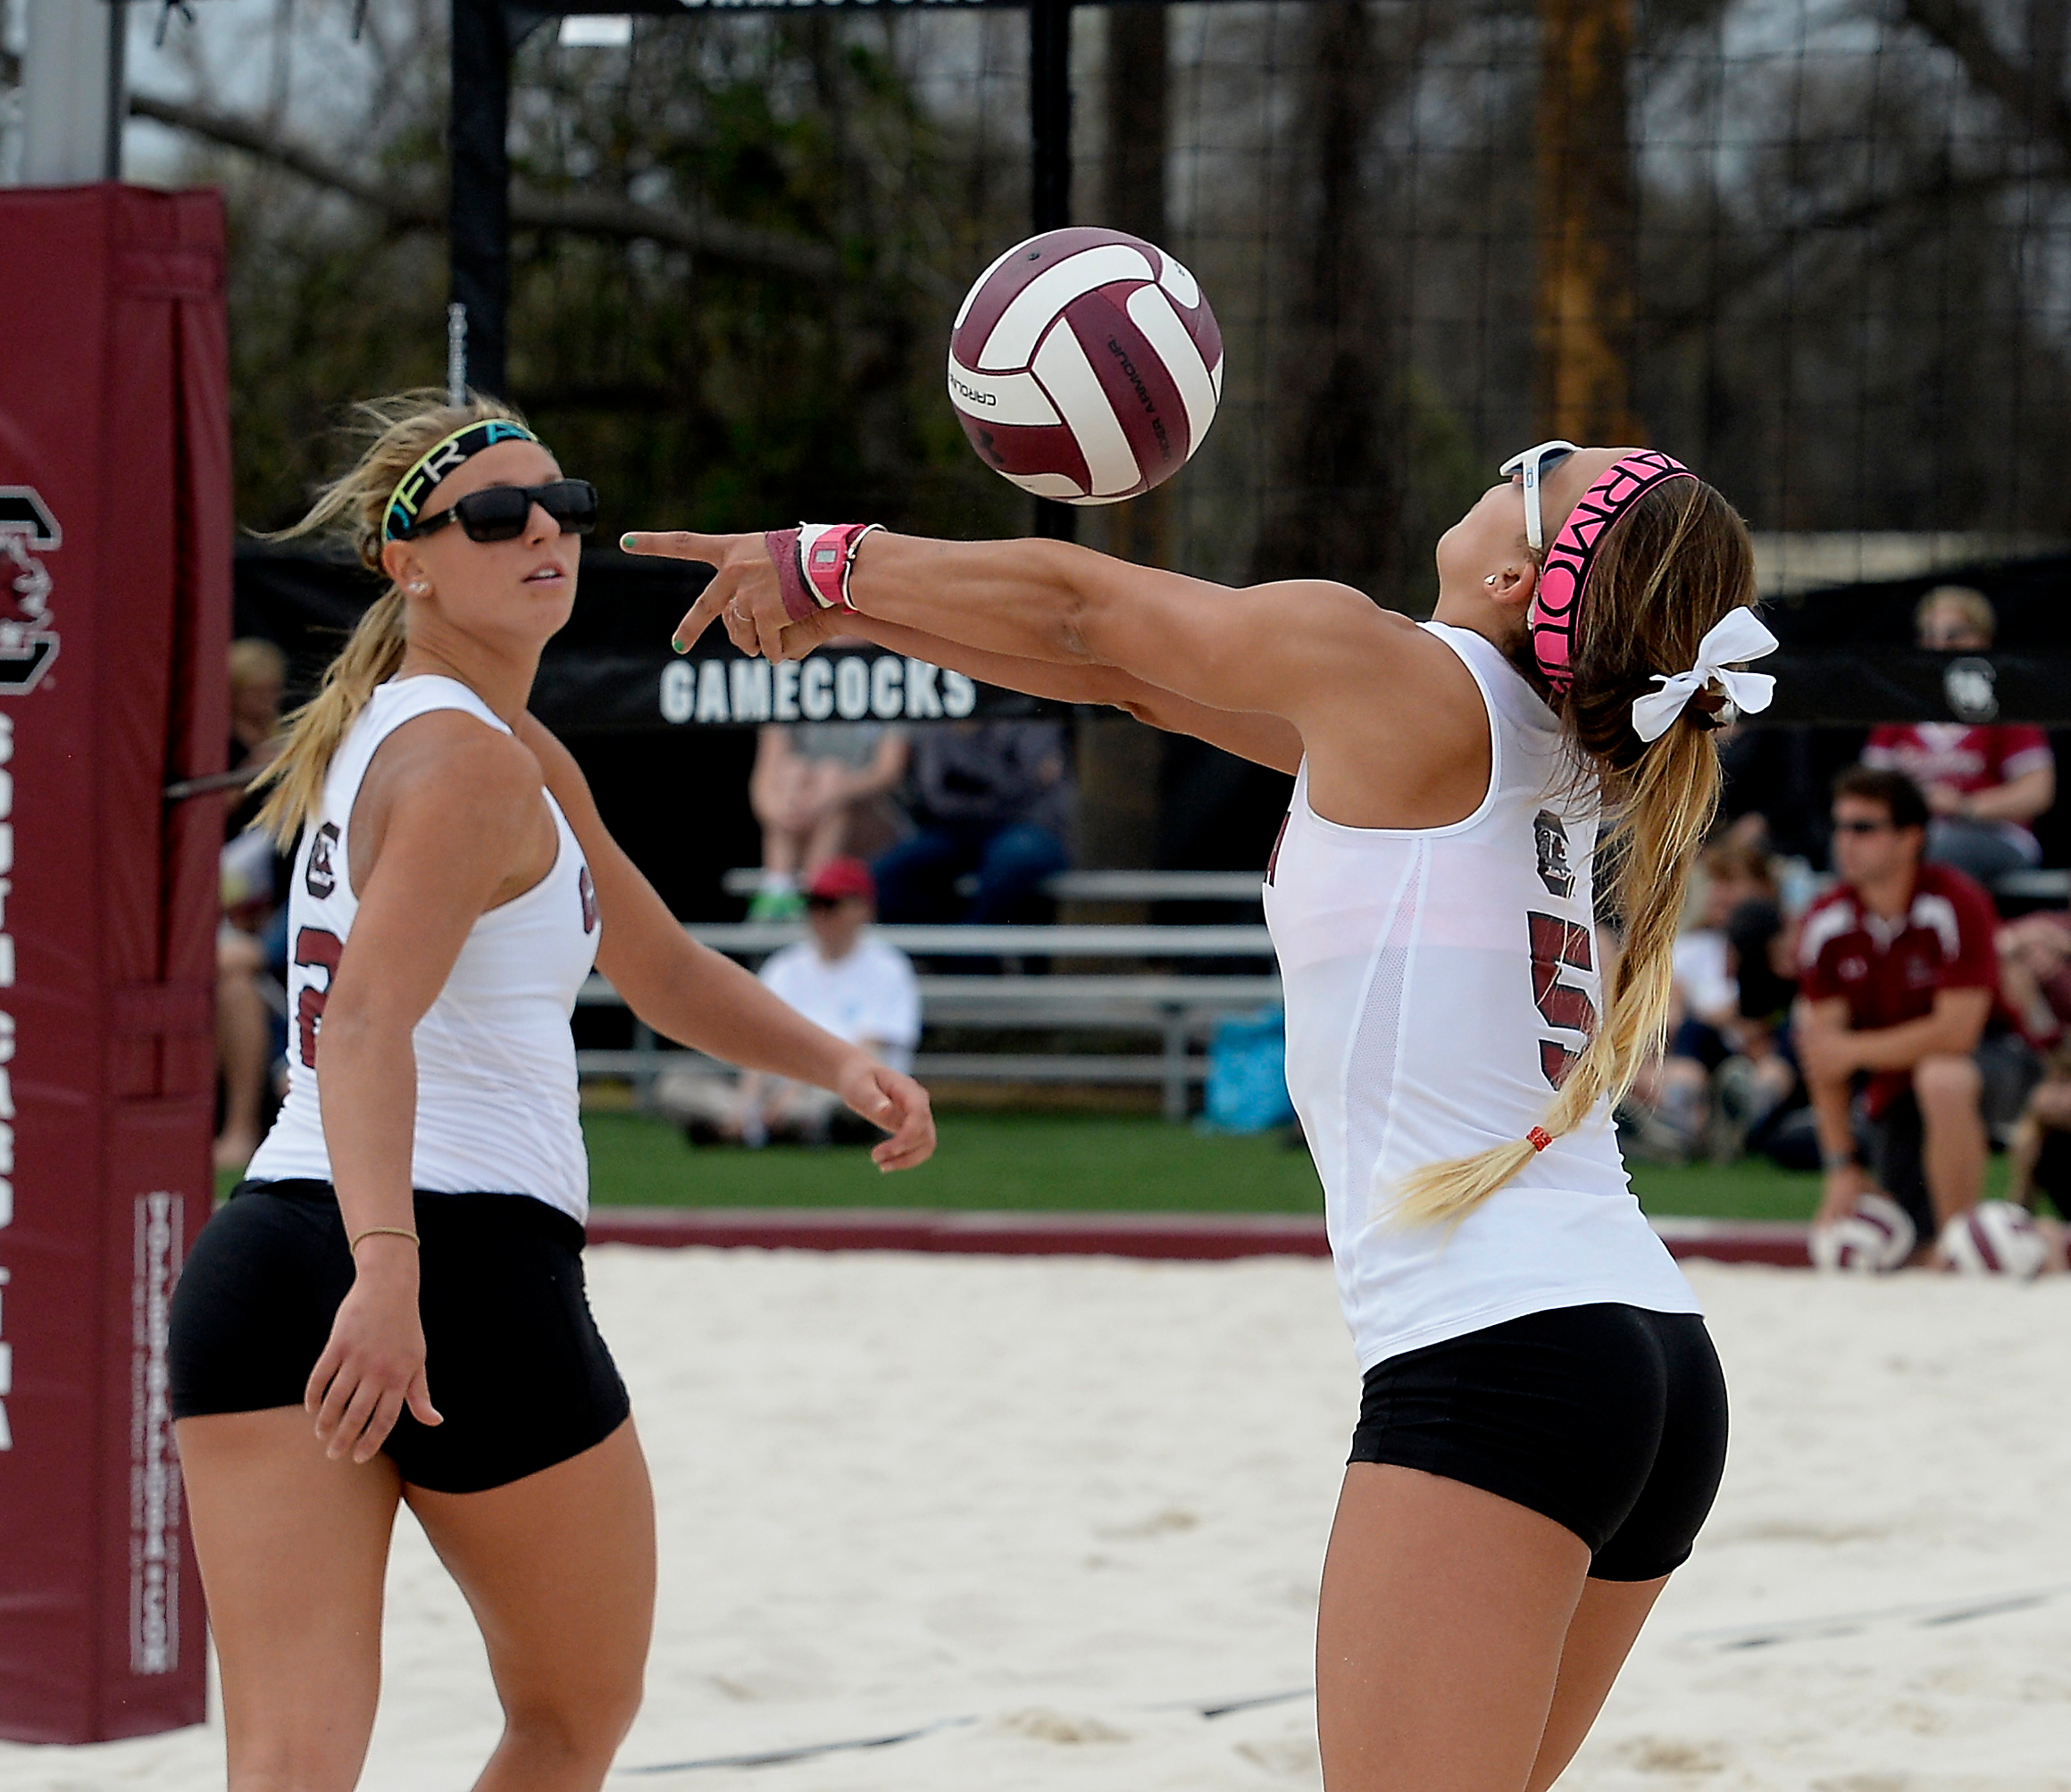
<point x="1094" y="1162"/>
<point x="1087" y="1163"/>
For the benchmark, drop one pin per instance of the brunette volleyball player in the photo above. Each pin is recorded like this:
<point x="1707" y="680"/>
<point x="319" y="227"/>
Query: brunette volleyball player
<point x="392" y="1307"/>
<point x="1544" y="1422"/>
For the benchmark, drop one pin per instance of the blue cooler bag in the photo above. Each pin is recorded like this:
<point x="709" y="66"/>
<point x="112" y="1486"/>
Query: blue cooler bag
<point x="1248" y="1074"/>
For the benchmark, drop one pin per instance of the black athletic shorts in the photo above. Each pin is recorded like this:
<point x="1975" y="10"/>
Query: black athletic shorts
<point x="1608" y="1420"/>
<point x="514" y="1361"/>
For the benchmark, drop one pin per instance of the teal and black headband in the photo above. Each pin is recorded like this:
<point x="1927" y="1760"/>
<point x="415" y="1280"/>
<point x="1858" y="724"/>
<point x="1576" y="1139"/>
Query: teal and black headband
<point x="407" y="501"/>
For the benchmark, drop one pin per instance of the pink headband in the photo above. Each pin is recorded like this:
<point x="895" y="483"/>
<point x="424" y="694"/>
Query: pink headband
<point x="1558" y="593"/>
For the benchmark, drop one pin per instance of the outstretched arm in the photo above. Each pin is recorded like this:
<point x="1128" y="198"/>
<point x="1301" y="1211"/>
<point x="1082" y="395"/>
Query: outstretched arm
<point x="1264" y="739"/>
<point x="1297" y="649"/>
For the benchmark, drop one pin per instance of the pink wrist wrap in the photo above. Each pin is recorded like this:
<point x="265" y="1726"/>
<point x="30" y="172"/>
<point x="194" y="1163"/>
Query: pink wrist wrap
<point x="813" y="563"/>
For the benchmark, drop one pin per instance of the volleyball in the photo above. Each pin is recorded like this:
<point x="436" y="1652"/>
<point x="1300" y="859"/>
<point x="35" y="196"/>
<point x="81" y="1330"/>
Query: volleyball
<point x="1877" y="1237"/>
<point x="1995" y="1238"/>
<point x="1085" y="365"/>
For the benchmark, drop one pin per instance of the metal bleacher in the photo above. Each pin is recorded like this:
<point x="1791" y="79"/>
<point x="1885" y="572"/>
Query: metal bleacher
<point x="1172" y="982"/>
<point x="1160" y="984"/>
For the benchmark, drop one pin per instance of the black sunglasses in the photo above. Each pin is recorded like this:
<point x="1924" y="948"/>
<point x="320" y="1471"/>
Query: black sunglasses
<point x="500" y="513"/>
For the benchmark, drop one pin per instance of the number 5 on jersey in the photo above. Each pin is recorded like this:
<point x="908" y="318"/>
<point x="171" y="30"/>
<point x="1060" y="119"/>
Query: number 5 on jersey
<point x="1556" y="943"/>
<point x="314" y="950"/>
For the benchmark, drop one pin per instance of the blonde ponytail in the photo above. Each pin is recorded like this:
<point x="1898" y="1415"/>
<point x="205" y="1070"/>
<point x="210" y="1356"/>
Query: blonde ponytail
<point x="1654" y="844"/>
<point x="1665" y="574"/>
<point x="371" y="653"/>
<point x="401" y="428"/>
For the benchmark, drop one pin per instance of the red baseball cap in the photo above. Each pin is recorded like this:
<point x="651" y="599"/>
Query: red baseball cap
<point x="839" y="880"/>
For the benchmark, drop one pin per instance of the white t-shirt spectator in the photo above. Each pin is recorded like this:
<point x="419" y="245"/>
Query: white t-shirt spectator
<point x="869" y="994"/>
<point x="1704" y="972"/>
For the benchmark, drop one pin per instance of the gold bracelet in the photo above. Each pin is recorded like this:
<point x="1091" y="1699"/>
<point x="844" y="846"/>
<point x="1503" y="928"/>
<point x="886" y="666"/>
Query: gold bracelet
<point x="389" y="1231"/>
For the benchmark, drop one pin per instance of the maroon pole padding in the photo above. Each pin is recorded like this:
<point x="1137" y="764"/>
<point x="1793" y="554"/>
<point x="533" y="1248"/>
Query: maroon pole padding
<point x="115" y="623"/>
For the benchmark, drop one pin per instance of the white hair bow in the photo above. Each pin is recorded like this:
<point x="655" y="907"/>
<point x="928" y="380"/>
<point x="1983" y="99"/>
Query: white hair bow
<point x="1739" y="635"/>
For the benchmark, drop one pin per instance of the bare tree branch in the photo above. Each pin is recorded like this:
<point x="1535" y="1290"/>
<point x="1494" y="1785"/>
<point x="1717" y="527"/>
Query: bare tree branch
<point x="1959" y="28"/>
<point x="1757" y="265"/>
<point x="589" y="214"/>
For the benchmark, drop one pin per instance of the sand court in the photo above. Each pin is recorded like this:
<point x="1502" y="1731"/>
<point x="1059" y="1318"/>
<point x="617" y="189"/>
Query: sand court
<point x="1059" y="1521"/>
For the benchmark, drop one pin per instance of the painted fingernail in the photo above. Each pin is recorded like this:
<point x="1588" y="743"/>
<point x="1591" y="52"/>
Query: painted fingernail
<point x="679" y="646"/>
<point x="625" y="541"/>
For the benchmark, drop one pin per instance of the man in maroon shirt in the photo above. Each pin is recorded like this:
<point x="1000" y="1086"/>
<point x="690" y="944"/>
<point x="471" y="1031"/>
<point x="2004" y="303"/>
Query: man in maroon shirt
<point x="1985" y="784"/>
<point x="1899" y="980"/>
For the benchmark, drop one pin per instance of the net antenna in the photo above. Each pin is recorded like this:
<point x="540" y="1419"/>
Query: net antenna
<point x="456" y="354"/>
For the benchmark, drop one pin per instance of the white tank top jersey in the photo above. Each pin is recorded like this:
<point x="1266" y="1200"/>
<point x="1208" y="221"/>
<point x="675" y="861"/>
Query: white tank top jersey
<point x="496" y="1097"/>
<point x="1435" y="981"/>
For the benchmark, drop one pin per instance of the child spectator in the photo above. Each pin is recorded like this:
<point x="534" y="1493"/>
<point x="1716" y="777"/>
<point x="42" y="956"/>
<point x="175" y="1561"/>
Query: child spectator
<point x="820" y="789"/>
<point x="1983" y="785"/>
<point x="1898" y="985"/>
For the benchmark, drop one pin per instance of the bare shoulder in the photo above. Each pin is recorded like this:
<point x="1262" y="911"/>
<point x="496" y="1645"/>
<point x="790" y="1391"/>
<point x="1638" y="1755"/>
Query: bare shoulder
<point x="448" y="759"/>
<point x="452" y="784"/>
<point x="1342" y="637"/>
<point x="1405" y="746"/>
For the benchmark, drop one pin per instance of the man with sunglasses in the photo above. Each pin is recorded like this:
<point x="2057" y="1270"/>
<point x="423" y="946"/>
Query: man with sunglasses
<point x="1899" y="990"/>
<point x="840" y="977"/>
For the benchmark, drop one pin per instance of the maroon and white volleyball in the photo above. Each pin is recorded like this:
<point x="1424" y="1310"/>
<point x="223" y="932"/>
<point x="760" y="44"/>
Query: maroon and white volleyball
<point x="1876" y="1237"/>
<point x="1086" y="365"/>
<point x="1995" y="1238"/>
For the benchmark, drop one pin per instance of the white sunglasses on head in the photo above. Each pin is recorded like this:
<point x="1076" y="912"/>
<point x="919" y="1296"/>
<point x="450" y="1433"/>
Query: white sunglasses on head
<point x="1533" y="463"/>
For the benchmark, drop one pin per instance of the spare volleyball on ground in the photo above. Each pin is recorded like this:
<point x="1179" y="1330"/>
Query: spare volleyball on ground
<point x="1086" y="365"/>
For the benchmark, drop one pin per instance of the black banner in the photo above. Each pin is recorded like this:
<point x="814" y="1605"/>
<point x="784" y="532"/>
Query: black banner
<point x="1847" y="658"/>
<point x="611" y="671"/>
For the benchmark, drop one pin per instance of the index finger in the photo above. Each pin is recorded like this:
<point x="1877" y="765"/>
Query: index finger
<point x="679" y="543"/>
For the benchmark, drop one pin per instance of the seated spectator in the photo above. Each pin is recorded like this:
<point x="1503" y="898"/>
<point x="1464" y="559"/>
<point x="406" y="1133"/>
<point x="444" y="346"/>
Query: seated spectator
<point x="856" y="986"/>
<point x="1757" y="1095"/>
<point x="1705" y="1019"/>
<point x="821" y="790"/>
<point x="245" y="1029"/>
<point x="2034" y="968"/>
<point x="990" y="798"/>
<point x="1898" y="985"/>
<point x="2039" y="1153"/>
<point x="1983" y="785"/>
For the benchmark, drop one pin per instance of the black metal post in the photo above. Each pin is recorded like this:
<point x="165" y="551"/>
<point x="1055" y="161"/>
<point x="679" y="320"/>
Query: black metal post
<point x="1049" y="110"/>
<point x="118" y="87"/>
<point x="479" y="218"/>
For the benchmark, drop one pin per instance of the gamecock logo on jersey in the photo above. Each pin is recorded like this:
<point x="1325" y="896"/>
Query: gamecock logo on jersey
<point x="1550" y="833"/>
<point x="321" y="877"/>
<point x="27" y="643"/>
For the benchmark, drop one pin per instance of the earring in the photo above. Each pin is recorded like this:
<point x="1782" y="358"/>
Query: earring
<point x="1491" y="580"/>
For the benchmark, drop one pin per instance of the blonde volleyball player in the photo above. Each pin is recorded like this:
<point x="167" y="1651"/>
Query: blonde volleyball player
<point x="392" y="1307"/>
<point x="1543" y="1425"/>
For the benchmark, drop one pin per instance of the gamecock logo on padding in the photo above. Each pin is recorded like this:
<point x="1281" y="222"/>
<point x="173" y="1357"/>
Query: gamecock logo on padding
<point x="27" y="643"/>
